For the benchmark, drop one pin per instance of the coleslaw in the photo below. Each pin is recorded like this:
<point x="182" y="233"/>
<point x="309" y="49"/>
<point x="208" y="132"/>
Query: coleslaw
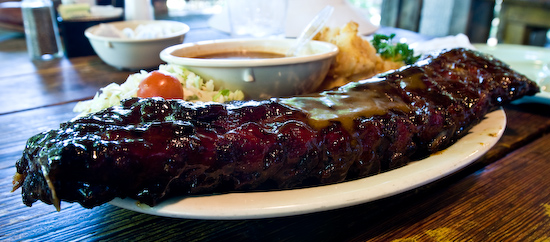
<point x="194" y="87"/>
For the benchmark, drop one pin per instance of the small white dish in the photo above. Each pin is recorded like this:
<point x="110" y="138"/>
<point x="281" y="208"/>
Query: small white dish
<point x="133" y="54"/>
<point x="257" y="78"/>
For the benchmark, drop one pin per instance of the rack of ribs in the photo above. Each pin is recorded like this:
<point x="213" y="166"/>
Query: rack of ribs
<point x="153" y="149"/>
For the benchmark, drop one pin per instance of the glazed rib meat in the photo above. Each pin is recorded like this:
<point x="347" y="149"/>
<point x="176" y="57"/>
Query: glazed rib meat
<point x="152" y="149"/>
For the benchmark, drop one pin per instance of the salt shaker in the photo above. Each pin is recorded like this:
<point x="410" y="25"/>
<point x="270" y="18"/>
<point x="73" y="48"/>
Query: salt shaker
<point x="42" y="34"/>
<point x="138" y="10"/>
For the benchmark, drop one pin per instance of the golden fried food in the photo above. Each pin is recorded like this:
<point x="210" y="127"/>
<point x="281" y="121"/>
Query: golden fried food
<point x="357" y="58"/>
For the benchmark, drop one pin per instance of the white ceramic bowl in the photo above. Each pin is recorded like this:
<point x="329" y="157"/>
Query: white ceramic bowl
<point x="135" y="53"/>
<point x="257" y="78"/>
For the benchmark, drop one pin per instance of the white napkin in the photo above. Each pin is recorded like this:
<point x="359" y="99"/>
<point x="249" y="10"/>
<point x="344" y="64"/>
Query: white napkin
<point x="459" y="40"/>
<point x="301" y="12"/>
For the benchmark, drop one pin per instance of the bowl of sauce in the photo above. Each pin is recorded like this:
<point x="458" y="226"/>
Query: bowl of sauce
<point x="243" y="54"/>
<point x="258" y="67"/>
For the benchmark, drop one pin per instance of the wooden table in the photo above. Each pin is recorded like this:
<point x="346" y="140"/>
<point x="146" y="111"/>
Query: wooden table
<point x="504" y="196"/>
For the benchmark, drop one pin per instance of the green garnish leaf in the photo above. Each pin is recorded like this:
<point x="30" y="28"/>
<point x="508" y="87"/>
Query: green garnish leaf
<point x="225" y="92"/>
<point x="395" y="52"/>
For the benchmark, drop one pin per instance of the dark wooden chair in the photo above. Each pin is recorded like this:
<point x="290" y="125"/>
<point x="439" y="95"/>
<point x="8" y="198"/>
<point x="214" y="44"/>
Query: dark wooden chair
<point x="524" y="22"/>
<point x="440" y="18"/>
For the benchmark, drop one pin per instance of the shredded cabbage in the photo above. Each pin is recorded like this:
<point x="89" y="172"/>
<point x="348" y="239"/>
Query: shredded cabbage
<point x="194" y="89"/>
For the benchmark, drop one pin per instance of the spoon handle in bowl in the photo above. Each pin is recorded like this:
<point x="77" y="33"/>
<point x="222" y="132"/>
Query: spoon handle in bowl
<point x="311" y="30"/>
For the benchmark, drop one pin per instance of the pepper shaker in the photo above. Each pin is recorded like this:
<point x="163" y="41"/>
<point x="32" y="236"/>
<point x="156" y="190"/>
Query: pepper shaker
<point x="41" y="32"/>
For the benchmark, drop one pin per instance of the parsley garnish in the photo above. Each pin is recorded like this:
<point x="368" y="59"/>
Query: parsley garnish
<point x="394" y="52"/>
<point x="223" y="92"/>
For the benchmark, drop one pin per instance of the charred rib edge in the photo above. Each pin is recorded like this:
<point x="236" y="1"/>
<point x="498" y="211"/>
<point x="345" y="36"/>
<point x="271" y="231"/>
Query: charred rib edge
<point x="55" y="200"/>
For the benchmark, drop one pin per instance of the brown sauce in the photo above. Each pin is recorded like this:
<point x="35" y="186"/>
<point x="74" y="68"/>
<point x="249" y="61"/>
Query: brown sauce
<point x="345" y="105"/>
<point x="243" y="54"/>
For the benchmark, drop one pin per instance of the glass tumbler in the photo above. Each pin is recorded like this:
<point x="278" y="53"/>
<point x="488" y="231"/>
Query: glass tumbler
<point x="257" y="18"/>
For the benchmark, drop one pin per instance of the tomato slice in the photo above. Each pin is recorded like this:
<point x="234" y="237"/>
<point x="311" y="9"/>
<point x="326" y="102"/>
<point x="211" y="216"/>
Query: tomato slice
<point x="160" y="84"/>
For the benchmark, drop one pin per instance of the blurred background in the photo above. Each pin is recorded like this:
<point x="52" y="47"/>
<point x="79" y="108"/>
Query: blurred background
<point x="523" y="22"/>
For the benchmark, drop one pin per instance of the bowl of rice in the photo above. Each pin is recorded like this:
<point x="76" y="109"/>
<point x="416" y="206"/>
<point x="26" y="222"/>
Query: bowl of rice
<point x="134" y="45"/>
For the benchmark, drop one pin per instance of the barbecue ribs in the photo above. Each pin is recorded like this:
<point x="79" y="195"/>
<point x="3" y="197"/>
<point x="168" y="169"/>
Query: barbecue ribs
<point x="152" y="149"/>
